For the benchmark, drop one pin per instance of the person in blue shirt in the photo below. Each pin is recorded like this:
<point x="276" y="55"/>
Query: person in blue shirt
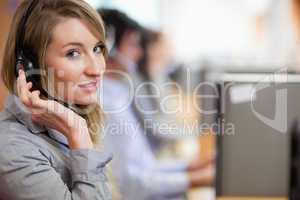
<point x="139" y="174"/>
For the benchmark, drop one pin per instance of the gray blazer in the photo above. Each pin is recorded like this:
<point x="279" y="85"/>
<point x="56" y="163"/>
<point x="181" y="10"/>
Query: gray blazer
<point x="36" y="163"/>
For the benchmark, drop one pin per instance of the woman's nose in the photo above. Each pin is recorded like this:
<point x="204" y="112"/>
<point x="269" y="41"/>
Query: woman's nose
<point x="95" y="66"/>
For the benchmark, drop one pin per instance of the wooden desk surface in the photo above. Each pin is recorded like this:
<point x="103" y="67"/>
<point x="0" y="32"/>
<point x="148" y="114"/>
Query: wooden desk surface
<point x="209" y="194"/>
<point x="251" y="198"/>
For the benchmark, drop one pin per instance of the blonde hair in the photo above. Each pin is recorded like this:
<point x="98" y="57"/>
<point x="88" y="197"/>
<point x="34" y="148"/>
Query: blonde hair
<point x="38" y="35"/>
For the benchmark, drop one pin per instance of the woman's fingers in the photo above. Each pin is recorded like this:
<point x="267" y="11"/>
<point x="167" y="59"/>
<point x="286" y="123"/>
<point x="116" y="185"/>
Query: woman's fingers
<point x="19" y="84"/>
<point x="23" y="88"/>
<point x="35" y="98"/>
<point x="38" y="105"/>
<point x="49" y="106"/>
<point x="45" y="111"/>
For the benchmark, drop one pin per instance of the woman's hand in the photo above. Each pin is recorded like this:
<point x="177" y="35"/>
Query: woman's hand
<point x="202" y="172"/>
<point x="202" y="178"/>
<point x="198" y="164"/>
<point x="54" y="115"/>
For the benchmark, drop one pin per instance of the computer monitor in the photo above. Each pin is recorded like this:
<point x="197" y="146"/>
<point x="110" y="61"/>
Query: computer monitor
<point x="253" y="143"/>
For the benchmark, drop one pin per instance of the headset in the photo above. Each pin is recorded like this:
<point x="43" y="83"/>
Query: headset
<point x="26" y="58"/>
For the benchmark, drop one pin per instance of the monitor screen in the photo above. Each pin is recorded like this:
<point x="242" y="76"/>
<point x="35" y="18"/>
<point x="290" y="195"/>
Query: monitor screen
<point x="253" y="145"/>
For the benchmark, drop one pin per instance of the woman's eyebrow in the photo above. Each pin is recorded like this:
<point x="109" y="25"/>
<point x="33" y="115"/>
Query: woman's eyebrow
<point x="73" y="44"/>
<point x="80" y="44"/>
<point x="99" y="43"/>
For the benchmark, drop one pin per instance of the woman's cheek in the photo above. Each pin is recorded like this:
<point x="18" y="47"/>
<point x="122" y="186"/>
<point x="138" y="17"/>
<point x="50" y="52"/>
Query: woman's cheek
<point x="70" y="70"/>
<point x="73" y="91"/>
<point x="65" y="89"/>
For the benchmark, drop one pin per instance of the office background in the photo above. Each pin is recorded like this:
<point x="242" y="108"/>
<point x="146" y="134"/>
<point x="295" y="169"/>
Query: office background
<point x="233" y="35"/>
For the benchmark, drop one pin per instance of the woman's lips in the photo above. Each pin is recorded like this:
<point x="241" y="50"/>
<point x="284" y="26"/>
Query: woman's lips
<point x="90" y="86"/>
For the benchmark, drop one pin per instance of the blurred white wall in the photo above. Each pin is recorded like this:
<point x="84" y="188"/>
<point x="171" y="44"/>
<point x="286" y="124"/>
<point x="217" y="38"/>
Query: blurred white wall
<point x="206" y="27"/>
<point x="214" y="28"/>
<point x="146" y="12"/>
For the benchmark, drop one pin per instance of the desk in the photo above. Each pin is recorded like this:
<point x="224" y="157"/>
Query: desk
<point x="209" y="194"/>
<point x="251" y="198"/>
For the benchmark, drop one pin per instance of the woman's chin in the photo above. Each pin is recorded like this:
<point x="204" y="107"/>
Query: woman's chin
<point x="85" y="100"/>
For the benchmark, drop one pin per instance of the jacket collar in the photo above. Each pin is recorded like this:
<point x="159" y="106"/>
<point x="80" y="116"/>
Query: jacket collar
<point x="15" y="107"/>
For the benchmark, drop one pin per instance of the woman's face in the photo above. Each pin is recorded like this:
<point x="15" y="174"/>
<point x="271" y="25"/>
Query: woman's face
<point x="75" y="61"/>
<point x="159" y="54"/>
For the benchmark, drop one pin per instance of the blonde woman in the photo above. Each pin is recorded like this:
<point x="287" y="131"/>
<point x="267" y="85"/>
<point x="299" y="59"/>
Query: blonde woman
<point x="49" y="130"/>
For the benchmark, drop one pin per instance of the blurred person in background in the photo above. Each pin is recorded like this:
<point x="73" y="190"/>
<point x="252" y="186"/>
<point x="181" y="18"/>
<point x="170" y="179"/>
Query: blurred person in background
<point x="152" y="71"/>
<point x="295" y="11"/>
<point x="124" y="37"/>
<point x="277" y="35"/>
<point x="158" y="111"/>
<point x="139" y="174"/>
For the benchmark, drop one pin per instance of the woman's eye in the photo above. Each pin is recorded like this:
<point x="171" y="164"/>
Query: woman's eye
<point x="73" y="54"/>
<point x="99" y="49"/>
